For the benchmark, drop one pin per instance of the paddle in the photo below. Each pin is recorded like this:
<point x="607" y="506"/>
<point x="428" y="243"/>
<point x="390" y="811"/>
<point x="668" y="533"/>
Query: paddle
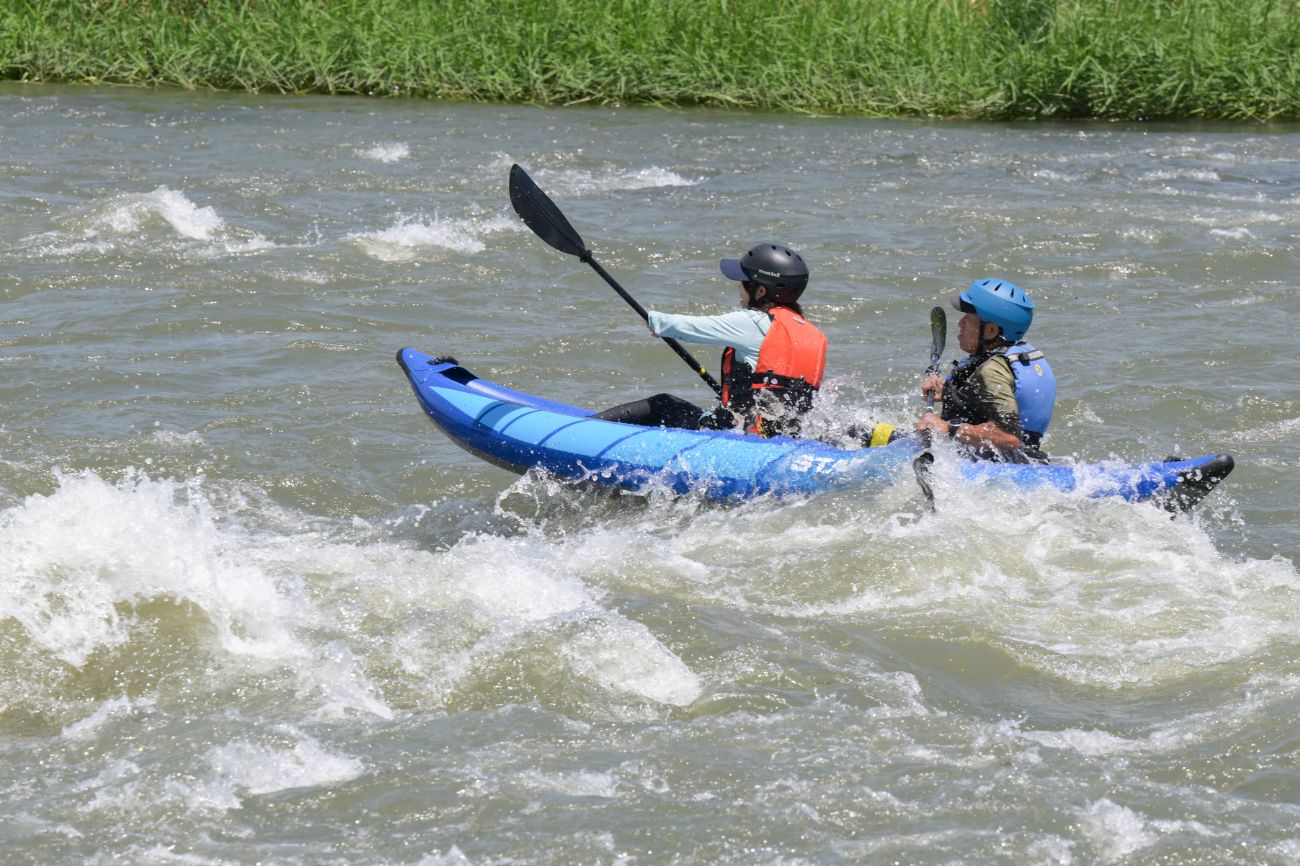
<point x="541" y="215"/>
<point x="921" y="465"/>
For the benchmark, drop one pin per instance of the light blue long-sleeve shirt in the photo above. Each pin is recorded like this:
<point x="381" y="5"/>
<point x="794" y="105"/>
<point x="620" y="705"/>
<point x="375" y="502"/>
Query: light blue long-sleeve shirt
<point x="743" y="330"/>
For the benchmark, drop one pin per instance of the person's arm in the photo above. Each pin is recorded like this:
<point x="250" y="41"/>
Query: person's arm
<point x="995" y="390"/>
<point x="986" y="435"/>
<point x="995" y="398"/>
<point x="742" y="329"/>
<point x="728" y="329"/>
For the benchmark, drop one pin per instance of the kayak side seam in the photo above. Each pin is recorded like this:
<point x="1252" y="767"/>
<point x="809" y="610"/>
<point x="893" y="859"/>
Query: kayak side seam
<point x="600" y="455"/>
<point x="542" y="442"/>
<point x="510" y="407"/>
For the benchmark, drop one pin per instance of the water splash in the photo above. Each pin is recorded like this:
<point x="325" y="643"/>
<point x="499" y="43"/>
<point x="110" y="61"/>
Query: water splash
<point x="576" y="182"/>
<point x="162" y="218"/>
<point x="257" y="768"/>
<point x="89" y="563"/>
<point x="388" y="152"/>
<point x="267" y="591"/>
<point x="411" y="238"/>
<point x="130" y="213"/>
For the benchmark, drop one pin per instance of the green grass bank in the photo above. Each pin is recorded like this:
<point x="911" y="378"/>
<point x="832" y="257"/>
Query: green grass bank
<point x="993" y="59"/>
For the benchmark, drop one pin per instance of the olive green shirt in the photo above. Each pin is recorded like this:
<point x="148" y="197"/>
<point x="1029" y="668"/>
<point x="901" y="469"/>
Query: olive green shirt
<point x="988" y="394"/>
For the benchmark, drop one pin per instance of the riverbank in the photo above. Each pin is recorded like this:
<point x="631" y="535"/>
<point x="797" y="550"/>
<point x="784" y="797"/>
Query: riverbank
<point x="986" y="59"/>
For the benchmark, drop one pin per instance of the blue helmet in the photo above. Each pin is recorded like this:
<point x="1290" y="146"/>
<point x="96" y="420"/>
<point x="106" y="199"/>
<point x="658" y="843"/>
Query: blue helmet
<point x="1001" y="302"/>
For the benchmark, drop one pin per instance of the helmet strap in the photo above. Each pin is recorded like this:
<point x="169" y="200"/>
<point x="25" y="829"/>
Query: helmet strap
<point x="984" y="344"/>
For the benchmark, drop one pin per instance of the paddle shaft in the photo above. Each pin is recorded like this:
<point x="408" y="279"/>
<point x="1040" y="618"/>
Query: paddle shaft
<point x="672" y="344"/>
<point x="938" y="337"/>
<point x="550" y="224"/>
<point x="921" y="465"/>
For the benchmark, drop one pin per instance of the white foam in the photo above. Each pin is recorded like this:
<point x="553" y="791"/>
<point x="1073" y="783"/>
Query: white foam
<point x="130" y="213"/>
<point x="1091" y="743"/>
<point x="255" y="769"/>
<point x="87" y="728"/>
<point x="1281" y="431"/>
<point x="234" y="247"/>
<point x="339" y="677"/>
<point x="150" y="221"/>
<point x="311" y="277"/>
<point x="1288" y="850"/>
<point x="125" y="788"/>
<point x="1050" y="851"/>
<point x="1240" y="233"/>
<point x="237" y="770"/>
<point x="578" y="181"/>
<point x="1058" y="176"/>
<point x="387" y="152"/>
<point x="156" y="855"/>
<point x="73" y="581"/>
<point x="526" y="586"/>
<point x="625" y="656"/>
<point x="410" y="237"/>
<point x="1115" y="831"/>
<point x="515" y="580"/>
<point x="281" y="594"/>
<point x="575" y="784"/>
<point x="1168" y="174"/>
<point x="173" y="439"/>
<point x="453" y="857"/>
<point x="1103" y="593"/>
<point x="1142" y="234"/>
<point x="1217" y="219"/>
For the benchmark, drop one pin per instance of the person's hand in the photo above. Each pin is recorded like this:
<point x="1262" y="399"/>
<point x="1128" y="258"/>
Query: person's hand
<point x="932" y="385"/>
<point x="650" y="329"/>
<point x="931" y="421"/>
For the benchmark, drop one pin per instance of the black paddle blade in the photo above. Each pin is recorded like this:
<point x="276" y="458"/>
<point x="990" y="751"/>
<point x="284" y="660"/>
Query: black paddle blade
<point x="921" y="466"/>
<point x="541" y="215"/>
<point x="938" y="336"/>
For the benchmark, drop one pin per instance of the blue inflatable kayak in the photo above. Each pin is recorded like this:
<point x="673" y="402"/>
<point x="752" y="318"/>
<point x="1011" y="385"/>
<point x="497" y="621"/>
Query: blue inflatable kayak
<point x="518" y="431"/>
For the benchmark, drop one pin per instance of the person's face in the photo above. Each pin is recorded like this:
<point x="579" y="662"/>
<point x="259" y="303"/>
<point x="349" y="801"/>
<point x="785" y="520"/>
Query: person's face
<point x="760" y="292"/>
<point x="968" y="332"/>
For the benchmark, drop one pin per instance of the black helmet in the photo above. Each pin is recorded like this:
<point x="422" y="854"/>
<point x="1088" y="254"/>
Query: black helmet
<point x="776" y="266"/>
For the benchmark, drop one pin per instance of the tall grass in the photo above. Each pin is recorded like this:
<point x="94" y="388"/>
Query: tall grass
<point x="1236" y="59"/>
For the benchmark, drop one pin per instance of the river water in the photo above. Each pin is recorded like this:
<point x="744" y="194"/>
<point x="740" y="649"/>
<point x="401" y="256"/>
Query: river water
<point x="255" y="609"/>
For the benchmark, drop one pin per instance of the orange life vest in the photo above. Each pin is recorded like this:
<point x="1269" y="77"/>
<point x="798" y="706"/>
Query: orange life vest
<point x="791" y="362"/>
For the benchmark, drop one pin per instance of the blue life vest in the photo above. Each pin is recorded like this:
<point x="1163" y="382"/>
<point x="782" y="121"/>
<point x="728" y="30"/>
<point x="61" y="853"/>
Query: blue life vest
<point x="1035" y="386"/>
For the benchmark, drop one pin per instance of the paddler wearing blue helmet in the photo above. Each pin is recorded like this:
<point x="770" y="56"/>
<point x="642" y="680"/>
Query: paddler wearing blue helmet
<point x="998" y="401"/>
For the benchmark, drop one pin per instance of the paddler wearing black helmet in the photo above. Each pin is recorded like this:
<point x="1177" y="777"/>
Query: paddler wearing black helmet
<point x="773" y="358"/>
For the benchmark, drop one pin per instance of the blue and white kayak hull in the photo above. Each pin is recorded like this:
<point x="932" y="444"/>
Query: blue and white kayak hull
<point x="519" y="432"/>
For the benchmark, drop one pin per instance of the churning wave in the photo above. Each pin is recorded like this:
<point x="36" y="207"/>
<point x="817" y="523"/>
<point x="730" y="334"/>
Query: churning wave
<point x="361" y="624"/>
<point x="650" y="177"/>
<point x="160" y="218"/>
<point x="576" y="182"/>
<point x="386" y="152"/>
<point x="411" y="238"/>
